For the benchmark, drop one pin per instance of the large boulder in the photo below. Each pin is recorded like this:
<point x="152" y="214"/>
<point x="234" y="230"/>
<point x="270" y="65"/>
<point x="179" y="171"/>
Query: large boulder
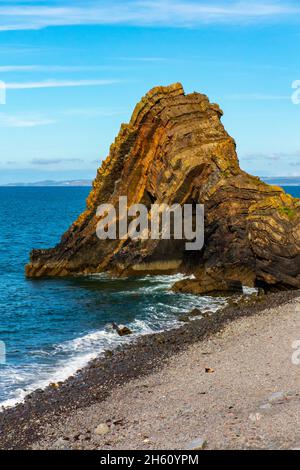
<point x="176" y="150"/>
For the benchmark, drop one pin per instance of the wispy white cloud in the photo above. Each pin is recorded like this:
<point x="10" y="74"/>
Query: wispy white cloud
<point x="35" y="120"/>
<point x="93" y="112"/>
<point x="7" y="120"/>
<point x="16" y="68"/>
<point x="256" y="97"/>
<point x="169" y="13"/>
<point x="58" y="84"/>
<point x="49" y="163"/>
<point x="142" y="59"/>
<point x="50" y="68"/>
<point x="20" y="49"/>
<point x="272" y="156"/>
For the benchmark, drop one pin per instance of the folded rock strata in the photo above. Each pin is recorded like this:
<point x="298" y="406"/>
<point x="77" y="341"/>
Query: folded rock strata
<point x="176" y="150"/>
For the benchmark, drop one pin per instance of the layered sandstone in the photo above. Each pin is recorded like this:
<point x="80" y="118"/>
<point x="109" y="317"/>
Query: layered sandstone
<point x="176" y="150"/>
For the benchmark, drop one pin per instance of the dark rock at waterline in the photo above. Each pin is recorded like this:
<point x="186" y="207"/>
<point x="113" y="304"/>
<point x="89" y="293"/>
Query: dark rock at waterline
<point x="187" y="317"/>
<point x="208" y="285"/>
<point x="122" y="330"/>
<point x="184" y="318"/>
<point x="196" y="313"/>
<point x="243" y="300"/>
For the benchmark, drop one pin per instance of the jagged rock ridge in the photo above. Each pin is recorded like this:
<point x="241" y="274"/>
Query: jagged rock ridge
<point x="176" y="150"/>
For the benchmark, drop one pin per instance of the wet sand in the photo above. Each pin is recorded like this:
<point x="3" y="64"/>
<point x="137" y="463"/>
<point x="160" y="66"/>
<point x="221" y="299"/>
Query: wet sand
<point x="228" y="380"/>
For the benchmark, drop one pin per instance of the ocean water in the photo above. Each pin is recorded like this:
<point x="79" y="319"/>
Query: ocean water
<point x="293" y="190"/>
<point x="52" y="328"/>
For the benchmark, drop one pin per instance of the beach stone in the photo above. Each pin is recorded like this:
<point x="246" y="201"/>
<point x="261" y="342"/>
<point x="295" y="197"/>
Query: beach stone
<point x="184" y="318"/>
<point x="61" y="444"/>
<point x="197" y="444"/>
<point x="277" y="396"/>
<point x="54" y="385"/>
<point x="187" y="317"/>
<point x="122" y="330"/>
<point x="102" y="429"/>
<point x="196" y="313"/>
<point x="160" y="339"/>
<point x="108" y="354"/>
<point x="266" y="406"/>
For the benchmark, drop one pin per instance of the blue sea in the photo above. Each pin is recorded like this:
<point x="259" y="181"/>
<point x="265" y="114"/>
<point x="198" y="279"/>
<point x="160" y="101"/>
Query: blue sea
<point x="52" y="328"/>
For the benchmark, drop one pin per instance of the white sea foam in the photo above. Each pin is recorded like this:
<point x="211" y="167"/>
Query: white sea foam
<point x="249" y="290"/>
<point x="83" y="349"/>
<point x="62" y="372"/>
<point x="65" y="359"/>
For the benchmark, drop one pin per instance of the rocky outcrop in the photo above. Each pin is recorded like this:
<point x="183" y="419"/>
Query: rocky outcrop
<point x="176" y="150"/>
<point x="206" y="284"/>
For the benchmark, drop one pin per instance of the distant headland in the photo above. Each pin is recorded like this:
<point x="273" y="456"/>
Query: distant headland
<point x="273" y="180"/>
<point x="48" y="183"/>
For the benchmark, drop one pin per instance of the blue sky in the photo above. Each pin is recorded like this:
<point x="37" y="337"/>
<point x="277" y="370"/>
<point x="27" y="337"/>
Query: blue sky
<point x="74" y="71"/>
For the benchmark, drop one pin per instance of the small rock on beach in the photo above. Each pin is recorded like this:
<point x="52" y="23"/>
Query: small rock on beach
<point x="102" y="429"/>
<point x="197" y="444"/>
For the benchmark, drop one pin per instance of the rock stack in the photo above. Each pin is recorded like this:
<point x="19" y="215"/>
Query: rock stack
<point x="176" y="150"/>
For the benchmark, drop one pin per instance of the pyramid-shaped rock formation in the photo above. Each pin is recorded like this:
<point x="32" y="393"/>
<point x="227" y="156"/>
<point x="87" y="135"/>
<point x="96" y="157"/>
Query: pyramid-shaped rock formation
<point x="176" y="150"/>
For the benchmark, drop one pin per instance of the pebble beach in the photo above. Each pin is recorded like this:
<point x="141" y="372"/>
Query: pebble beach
<point x="229" y="381"/>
